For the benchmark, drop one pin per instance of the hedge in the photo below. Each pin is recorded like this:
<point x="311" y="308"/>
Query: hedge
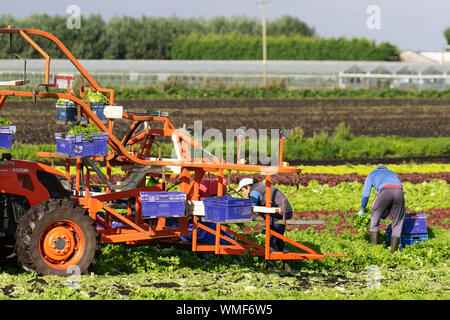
<point x="235" y="46"/>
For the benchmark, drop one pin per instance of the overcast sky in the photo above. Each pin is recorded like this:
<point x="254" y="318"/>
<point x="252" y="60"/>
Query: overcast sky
<point x="409" y="24"/>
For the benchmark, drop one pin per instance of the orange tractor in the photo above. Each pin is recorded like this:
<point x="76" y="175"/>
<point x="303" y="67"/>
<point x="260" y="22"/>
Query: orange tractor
<point x="59" y="228"/>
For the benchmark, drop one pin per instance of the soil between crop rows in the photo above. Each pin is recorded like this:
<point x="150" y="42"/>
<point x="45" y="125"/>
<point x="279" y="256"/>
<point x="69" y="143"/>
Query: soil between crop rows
<point x="36" y="122"/>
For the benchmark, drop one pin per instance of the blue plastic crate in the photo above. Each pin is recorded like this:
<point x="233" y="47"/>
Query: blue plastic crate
<point x="6" y="136"/>
<point x="78" y="146"/>
<point x="98" y="108"/>
<point x="228" y="209"/>
<point x="163" y="204"/>
<point x="415" y="223"/>
<point x="113" y="223"/>
<point x="407" y="239"/>
<point x="67" y="112"/>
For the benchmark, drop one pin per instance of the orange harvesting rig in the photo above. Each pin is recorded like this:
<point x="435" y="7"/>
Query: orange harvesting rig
<point x="57" y="228"/>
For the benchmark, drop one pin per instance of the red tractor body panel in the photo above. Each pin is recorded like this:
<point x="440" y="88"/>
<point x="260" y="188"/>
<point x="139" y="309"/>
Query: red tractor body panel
<point x="20" y="177"/>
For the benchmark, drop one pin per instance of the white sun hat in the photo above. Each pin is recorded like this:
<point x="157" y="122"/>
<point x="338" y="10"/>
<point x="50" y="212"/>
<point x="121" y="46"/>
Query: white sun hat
<point x="244" y="182"/>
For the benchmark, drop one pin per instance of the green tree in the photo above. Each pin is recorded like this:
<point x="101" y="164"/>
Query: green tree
<point x="88" y="42"/>
<point x="288" y="25"/>
<point x="91" y="40"/>
<point x="237" y="24"/>
<point x="237" y="37"/>
<point x="447" y="35"/>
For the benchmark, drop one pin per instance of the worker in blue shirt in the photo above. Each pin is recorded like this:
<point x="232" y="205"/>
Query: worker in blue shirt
<point x="388" y="201"/>
<point x="257" y="192"/>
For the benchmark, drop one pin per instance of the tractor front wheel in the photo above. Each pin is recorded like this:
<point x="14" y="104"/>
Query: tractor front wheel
<point x="56" y="236"/>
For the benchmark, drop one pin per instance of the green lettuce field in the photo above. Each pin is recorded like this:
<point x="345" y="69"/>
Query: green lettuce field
<point x="162" y="271"/>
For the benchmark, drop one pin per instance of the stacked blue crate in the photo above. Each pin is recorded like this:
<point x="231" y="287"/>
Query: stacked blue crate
<point x="163" y="204"/>
<point x="227" y="209"/>
<point x="67" y="112"/>
<point x="7" y="136"/>
<point x="414" y="230"/>
<point x="80" y="146"/>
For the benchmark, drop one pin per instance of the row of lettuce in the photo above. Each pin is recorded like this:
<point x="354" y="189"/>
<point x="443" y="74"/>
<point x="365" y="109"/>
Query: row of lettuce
<point x="177" y="88"/>
<point x="296" y="147"/>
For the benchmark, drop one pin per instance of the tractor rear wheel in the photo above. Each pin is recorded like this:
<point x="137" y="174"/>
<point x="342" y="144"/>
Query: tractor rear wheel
<point x="56" y="236"/>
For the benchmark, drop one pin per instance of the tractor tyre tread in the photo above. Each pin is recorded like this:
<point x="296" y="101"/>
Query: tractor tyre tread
<point x="33" y="223"/>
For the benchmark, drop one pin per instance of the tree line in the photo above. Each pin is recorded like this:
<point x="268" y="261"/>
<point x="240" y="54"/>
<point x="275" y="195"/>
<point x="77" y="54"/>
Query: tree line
<point x="237" y="37"/>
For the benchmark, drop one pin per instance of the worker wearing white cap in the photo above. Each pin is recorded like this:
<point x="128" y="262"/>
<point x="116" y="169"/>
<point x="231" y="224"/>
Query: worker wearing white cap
<point x="257" y="192"/>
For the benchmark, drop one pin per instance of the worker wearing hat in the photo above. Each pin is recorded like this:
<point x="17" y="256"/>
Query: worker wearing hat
<point x="257" y="192"/>
<point x="388" y="201"/>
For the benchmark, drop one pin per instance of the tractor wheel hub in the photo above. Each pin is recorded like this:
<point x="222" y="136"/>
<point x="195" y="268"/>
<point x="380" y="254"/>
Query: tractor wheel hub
<point x="59" y="244"/>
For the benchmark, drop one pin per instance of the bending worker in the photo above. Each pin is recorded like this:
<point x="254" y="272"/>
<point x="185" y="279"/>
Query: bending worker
<point x="388" y="201"/>
<point x="257" y="192"/>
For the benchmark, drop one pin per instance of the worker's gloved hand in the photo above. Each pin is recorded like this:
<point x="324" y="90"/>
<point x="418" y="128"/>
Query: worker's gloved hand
<point x="360" y="213"/>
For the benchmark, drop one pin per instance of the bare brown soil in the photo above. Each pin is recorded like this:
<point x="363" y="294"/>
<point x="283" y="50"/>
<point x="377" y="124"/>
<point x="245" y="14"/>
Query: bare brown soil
<point x="36" y="122"/>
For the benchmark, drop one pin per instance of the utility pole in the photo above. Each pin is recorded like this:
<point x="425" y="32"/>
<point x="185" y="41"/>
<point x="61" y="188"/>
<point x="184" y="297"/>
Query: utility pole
<point x="263" y="5"/>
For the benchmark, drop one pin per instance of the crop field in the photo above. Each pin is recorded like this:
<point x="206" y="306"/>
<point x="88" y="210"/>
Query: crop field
<point x="344" y="108"/>
<point x="162" y="271"/>
<point x="370" y="117"/>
